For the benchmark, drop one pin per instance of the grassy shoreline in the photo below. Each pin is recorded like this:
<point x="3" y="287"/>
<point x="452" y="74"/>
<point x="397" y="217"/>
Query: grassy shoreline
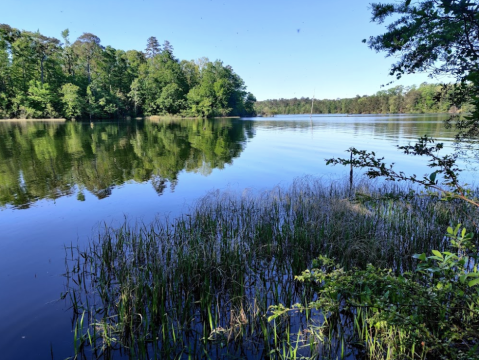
<point x="204" y="282"/>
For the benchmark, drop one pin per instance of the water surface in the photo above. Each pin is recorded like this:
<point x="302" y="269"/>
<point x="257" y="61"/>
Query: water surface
<point x="60" y="181"/>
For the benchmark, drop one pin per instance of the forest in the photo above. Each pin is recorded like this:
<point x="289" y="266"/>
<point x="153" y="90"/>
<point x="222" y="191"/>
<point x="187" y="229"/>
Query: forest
<point x="43" y="77"/>
<point x="427" y="98"/>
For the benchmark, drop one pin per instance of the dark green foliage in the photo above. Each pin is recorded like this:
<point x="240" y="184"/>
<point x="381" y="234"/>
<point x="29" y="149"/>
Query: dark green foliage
<point x="429" y="35"/>
<point x="102" y="82"/>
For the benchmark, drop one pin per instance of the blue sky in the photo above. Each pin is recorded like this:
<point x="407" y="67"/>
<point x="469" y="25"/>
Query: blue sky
<point x="281" y="48"/>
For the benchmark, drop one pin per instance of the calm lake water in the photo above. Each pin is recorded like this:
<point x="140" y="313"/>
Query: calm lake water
<point x="60" y="181"/>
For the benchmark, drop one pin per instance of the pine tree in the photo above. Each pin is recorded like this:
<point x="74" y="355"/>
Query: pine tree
<point x="152" y="47"/>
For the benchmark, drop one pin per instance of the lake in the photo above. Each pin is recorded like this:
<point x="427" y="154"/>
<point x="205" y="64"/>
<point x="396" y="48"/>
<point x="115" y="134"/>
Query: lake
<point x="60" y="182"/>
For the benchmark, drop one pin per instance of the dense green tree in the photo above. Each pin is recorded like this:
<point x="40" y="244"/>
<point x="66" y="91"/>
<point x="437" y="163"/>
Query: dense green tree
<point x="249" y="105"/>
<point x="23" y="63"/>
<point x="72" y="102"/>
<point x="40" y="100"/>
<point x="5" y="69"/>
<point x="192" y="72"/>
<point x="172" y="99"/>
<point x="220" y="91"/>
<point x="160" y="71"/>
<point x="40" y="77"/>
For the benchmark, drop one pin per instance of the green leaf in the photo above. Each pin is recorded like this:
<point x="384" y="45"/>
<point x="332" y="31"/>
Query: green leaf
<point x="437" y="253"/>
<point x="473" y="282"/>
<point x="421" y="257"/>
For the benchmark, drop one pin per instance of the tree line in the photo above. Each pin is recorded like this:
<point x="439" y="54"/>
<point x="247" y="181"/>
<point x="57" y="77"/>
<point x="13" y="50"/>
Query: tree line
<point x="43" y="77"/>
<point x="427" y="98"/>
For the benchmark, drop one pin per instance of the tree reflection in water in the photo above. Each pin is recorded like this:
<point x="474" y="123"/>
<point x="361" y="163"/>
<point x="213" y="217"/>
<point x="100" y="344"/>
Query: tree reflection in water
<point x="51" y="160"/>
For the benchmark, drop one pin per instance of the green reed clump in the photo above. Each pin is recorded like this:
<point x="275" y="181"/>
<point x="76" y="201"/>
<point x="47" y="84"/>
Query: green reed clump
<point x="201" y="285"/>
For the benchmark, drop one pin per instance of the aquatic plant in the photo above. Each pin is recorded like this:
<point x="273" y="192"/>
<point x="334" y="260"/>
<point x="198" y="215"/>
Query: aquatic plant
<point x="202" y="285"/>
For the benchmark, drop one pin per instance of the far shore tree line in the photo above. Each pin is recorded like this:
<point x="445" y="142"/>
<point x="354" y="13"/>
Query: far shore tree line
<point x="427" y="98"/>
<point x="43" y="77"/>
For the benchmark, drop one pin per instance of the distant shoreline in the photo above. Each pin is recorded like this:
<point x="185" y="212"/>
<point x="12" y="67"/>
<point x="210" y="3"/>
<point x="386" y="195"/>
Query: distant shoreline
<point x="166" y="117"/>
<point x="358" y="114"/>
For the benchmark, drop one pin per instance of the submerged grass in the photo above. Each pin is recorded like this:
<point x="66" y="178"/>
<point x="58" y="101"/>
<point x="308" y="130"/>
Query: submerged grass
<point x="200" y="286"/>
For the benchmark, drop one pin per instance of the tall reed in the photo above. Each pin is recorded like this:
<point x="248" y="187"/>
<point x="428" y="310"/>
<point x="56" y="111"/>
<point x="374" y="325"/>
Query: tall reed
<point x="200" y="286"/>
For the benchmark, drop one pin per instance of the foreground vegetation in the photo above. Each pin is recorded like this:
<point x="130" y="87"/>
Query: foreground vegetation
<point x="40" y="77"/>
<point x="202" y="285"/>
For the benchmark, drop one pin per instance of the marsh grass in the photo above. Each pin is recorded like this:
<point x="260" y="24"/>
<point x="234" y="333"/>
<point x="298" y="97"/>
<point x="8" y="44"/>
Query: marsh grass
<point x="200" y="286"/>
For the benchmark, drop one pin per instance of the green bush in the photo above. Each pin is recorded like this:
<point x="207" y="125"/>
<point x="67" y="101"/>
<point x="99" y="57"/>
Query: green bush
<point x="432" y="312"/>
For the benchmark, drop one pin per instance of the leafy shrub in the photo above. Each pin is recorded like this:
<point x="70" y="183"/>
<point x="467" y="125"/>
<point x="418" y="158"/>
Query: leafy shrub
<point x="432" y="312"/>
